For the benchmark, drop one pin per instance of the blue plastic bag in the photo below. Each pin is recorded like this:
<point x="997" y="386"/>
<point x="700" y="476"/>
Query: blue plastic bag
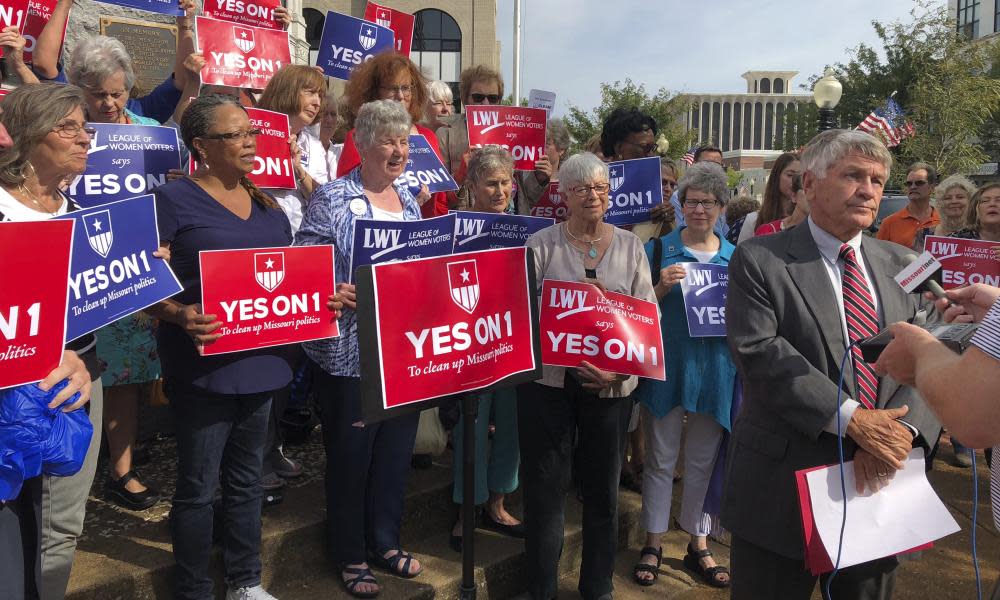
<point x="36" y="439"/>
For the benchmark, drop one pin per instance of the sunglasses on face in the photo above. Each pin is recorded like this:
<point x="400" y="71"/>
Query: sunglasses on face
<point x="478" y="98"/>
<point x="918" y="183"/>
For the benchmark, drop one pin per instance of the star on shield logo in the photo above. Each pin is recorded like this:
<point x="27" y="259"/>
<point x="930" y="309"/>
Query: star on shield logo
<point x="244" y="39"/>
<point x="99" y="234"/>
<point x="269" y="269"/>
<point x="367" y="36"/>
<point x="616" y="176"/>
<point x="463" y="281"/>
<point x="383" y="17"/>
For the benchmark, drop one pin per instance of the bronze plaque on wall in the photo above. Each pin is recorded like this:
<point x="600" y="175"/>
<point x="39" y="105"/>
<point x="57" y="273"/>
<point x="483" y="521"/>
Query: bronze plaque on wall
<point x="152" y="47"/>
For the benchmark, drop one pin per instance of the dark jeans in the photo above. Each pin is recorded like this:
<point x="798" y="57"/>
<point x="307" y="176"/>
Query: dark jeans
<point x="547" y="418"/>
<point x="217" y="435"/>
<point x="759" y="574"/>
<point x="366" y="470"/>
<point x="20" y="534"/>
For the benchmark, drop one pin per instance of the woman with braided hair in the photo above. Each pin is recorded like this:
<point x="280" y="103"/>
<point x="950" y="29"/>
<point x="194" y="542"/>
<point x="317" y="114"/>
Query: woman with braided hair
<point x="220" y="403"/>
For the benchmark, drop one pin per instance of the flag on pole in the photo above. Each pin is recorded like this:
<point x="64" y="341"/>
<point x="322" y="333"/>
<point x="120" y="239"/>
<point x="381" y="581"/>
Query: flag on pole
<point x="688" y="157"/>
<point x="888" y="123"/>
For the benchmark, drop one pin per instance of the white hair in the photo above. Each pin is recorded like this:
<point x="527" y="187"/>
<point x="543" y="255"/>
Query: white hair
<point x="439" y="91"/>
<point x="581" y="169"/>
<point x="380" y="117"/>
<point x="97" y="58"/>
<point x="835" y="144"/>
<point x="706" y="177"/>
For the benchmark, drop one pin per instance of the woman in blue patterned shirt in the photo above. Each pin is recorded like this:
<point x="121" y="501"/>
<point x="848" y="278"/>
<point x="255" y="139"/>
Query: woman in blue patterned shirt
<point x="366" y="465"/>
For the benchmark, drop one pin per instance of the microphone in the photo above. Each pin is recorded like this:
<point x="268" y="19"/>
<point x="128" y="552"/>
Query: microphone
<point x="926" y="282"/>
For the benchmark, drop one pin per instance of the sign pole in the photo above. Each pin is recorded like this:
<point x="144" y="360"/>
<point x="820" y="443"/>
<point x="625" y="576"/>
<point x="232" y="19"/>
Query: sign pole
<point x="470" y="408"/>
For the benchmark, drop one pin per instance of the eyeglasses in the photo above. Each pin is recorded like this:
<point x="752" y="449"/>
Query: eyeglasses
<point x="402" y="90"/>
<point x="645" y="148"/>
<point x="706" y="204"/>
<point x="233" y="136"/>
<point x="478" y="98"/>
<point x="917" y="183"/>
<point x="70" y="130"/>
<point x="582" y="191"/>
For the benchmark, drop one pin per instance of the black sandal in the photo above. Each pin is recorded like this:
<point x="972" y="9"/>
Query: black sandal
<point x="641" y="567"/>
<point x="362" y="575"/>
<point x="392" y="564"/>
<point x="692" y="561"/>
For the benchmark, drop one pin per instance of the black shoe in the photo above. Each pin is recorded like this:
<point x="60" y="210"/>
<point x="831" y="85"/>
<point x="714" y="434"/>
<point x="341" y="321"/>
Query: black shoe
<point x="514" y="531"/>
<point x="115" y="491"/>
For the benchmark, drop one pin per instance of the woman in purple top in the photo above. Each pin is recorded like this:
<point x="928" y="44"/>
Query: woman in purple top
<point x="220" y="403"/>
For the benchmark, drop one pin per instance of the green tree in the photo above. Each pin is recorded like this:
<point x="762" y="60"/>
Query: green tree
<point x="939" y="78"/>
<point x="663" y="106"/>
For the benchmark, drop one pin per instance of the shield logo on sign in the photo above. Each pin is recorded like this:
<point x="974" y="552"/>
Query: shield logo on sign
<point x="616" y="176"/>
<point x="383" y="17"/>
<point x="244" y="39"/>
<point x="463" y="281"/>
<point x="367" y="36"/>
<point x="99" y="234"/>
<point x="269" y="269"/>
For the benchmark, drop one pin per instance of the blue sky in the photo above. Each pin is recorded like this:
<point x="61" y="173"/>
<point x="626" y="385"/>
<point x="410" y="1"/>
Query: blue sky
<point x="571" y="46"/>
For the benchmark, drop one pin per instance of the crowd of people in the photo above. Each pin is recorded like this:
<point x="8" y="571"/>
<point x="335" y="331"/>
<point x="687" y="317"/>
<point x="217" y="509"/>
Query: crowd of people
<point x="807" y="280"/>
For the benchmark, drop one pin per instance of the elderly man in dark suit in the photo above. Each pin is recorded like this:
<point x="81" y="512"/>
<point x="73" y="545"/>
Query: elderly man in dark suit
<point x="796" y="301"/>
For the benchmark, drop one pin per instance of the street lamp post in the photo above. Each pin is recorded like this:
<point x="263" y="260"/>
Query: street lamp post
<point x="826" y="95"/>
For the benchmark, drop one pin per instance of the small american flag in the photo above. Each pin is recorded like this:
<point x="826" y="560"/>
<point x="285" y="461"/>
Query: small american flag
<point x="888" y="123"/>
<point x="688" y="157"/>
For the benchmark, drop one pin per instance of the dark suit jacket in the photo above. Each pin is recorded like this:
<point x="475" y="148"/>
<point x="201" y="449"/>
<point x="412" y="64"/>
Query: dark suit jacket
<point x="786" y="337"/>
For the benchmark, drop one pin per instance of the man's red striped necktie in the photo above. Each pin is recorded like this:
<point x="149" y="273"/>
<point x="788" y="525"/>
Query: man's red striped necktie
<point x="862" y="322"/>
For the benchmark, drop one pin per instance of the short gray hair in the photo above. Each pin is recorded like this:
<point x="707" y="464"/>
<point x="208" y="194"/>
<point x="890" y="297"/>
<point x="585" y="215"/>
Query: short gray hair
<point x="31" y="112"/>
<point x="954" y="181"/>
<point x="835" y="144"/>
<point x="438" y="91"/>
<point x="97" y="58"/>
<point x="380" y="117"/>
<point x="706" y="177"/>
<point x="489" y="159"/>
<point x="557" y="132"/>
<point x="583" y="168"/>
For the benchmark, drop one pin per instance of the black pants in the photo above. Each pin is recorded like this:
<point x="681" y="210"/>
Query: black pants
<point x="366" y="471"/>
<point x="547" y="420"/>
<point x="760" y="574"/>
<point x="20" y="535"/>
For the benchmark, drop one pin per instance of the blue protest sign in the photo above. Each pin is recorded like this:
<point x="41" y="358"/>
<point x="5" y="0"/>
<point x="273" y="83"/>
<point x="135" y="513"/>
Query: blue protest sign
<point x="377" y="242"/>
<point x="485" y="231"/>
<point x="348" y="41"/>
<point x="635" y="189"/>
<point x="704" y="290"/>
<point x="114" y="272"/>
<point x="125" y="161"/>
<point x="164" y="7"/>
<point x="424" y="167"/>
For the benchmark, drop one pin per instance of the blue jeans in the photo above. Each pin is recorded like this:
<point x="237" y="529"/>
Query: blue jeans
<point x="498" y="472"/>
<point x="217" y="434"/>
<point x="366" y="470"/>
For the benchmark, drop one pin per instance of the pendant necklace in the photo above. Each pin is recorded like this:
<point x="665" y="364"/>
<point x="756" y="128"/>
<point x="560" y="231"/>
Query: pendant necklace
<point x="592" y="253"/>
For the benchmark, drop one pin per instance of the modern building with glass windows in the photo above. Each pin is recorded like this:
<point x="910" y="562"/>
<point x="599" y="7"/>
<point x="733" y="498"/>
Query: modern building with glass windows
<point x="448" y="36"/>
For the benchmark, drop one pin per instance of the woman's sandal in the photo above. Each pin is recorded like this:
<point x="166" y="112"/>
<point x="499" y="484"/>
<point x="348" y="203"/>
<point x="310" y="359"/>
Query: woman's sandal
<point x="641" y="567"/>
<point x="392" y="564"/>
<point x="692" y="561"/>
<point x="361" y="575"/>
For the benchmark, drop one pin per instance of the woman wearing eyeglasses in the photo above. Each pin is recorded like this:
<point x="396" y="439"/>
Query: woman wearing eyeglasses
<point x="391" y="76"/>
<point x="47" y="145"/>
<point x="219" y="403"/>
<point x="586" y="403"/>
<point x="699" y="384"/>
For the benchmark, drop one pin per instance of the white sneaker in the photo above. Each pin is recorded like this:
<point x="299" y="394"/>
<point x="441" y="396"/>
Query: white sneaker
<point x="248" y="593"/>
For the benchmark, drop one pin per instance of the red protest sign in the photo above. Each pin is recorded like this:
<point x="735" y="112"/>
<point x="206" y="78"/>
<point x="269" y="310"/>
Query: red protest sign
<point x="964" y="261"/>
<point x="518" y="129"/>
<point x="612" y="331"/>
<point x="238" y="55"/>
<point x="551" y="204"/>
<point x="34" y="266"/>
<point x="273" y="165"/>
<point x="399" y="22"/>
<point x="13" y="12"/>
<point x="480" y="331"/>
<point x="255" y="13"/>
<point x="3" y="93"/>
<point x="268" y="296"/>
<point x="39" y="13"/>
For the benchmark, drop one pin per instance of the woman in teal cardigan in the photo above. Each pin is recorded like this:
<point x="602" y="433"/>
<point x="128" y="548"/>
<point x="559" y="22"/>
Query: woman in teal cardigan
<point x="699" y="384"/>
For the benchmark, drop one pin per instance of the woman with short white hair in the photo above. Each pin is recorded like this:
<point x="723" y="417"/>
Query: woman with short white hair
<point x="440" y="103"/>
<point x="366" y="467"/>
<point x="584" y="403"/>
<point x="951" y="197"/>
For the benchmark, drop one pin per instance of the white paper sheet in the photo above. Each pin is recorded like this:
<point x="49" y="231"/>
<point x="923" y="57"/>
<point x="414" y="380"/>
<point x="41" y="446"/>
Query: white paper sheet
<point x="904" y="514"/>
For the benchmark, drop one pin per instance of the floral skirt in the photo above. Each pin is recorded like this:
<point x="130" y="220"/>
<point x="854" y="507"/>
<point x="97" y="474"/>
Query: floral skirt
<point x="128" y="348"/>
